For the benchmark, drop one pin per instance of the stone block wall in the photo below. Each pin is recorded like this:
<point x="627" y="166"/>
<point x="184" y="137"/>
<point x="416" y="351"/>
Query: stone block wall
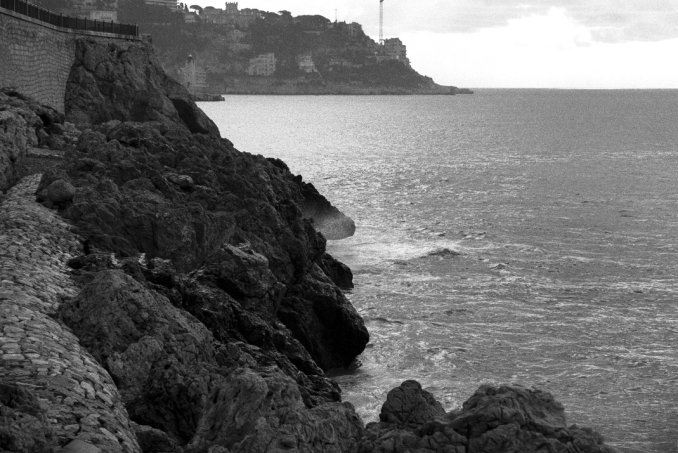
<point x="36" y="58"/>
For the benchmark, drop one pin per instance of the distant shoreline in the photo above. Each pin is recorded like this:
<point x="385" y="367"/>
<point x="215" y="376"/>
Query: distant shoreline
<point x="285" y="91"/>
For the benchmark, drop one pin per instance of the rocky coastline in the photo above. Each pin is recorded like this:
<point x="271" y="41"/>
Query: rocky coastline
<point x="272" y="86"/>
<point x="162" y="291"/>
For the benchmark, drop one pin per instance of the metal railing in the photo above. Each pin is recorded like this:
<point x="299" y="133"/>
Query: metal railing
<point x="74" y="23"/>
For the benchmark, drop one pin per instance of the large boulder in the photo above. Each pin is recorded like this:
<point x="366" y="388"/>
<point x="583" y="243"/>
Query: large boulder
<point x="505" y="419"/>
<point x="410" y="405"/>
<point x="323" y="320"/>
<point x="262" y="412"/>
<point x="124" y="81"/>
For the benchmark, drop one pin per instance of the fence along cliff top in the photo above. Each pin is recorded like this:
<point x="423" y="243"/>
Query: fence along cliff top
<point x="74" y="23"/>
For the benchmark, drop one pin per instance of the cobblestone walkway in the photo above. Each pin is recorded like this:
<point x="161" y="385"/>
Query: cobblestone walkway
<point x="36" y="352"/>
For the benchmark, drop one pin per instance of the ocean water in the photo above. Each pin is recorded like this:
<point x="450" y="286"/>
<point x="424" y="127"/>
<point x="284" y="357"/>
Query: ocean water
<point x="512" y="236"/>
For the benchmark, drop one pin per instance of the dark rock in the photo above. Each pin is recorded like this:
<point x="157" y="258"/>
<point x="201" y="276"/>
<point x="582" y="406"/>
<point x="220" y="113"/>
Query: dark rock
<point x="245" y="275"/>
<point x="184" y="182"/>
<point x="409" y="405"/>
<point x="60" y="192"/>
<point x="324" y="321"/>
<point x="125" y="82"/>
<point x="261" y="412"/>
<point x="337" y="271"/>
<point x="153" y="440"/>
<point x="443" y="252"/>
<point x="23" y="425"/>
<point x="490" y="407"/>
<point x="494" y="420"/>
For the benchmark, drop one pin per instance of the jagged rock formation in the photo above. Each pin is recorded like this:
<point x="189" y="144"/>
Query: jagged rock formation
<point x="221" y="294"/>
<point x="506" y="419"/>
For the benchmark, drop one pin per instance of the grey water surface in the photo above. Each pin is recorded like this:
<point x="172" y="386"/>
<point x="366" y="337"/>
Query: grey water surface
<point x="512" y="236"/>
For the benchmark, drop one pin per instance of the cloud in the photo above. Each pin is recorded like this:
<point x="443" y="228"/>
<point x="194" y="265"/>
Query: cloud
<point x="608" y="20"/>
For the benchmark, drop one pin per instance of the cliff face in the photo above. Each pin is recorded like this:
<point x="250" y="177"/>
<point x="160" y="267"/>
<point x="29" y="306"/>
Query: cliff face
<point x="223" y="292"/>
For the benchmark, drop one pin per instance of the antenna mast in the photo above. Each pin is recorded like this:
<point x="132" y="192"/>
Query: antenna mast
<point x="381" y="22"/>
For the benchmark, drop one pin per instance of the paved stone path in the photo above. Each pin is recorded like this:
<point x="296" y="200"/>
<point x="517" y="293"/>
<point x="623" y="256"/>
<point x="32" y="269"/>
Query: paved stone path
<point x="38" y="353"/>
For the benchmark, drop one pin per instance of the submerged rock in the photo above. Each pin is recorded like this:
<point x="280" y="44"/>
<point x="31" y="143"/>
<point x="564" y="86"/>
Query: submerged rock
<point x="494" y="420"/>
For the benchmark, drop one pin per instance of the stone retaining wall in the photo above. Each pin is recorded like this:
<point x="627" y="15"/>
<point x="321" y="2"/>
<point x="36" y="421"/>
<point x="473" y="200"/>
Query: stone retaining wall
<point x="36" y="58"/>
<point x="78" y="399"/>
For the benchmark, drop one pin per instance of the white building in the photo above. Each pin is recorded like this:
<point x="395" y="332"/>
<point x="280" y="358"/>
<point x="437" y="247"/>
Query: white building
<point x="354" y="29"/>
<point x="262" y="65"/>
<point x="193" y="78"/>
<point x="104" y="15"/>
<point x="306" y="64"/>
<point x="169" y="4"/>
<point x="394" y="49"/>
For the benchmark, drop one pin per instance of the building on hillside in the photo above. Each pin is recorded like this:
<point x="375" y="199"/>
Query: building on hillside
<point x="190" y="17"/>
<point x="211" y="15"/>
<point x="306" y="64"/>
<point x="235" y="35"/>
<point x="354" y="29"/>
<point x="394" y="49"/>
<point x="105" y="10"/>
<point x="247" y="16"/>
<point x="103" y="15"/>
<point x="231" y="8"/>
<point x="169" y="4"/>
<point x="193" y="77"/>
<point x="262" y="65"/>
<point x="337" y="63"/>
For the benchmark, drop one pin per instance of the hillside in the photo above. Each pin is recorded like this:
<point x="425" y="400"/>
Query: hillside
<point x="253" y="51"/>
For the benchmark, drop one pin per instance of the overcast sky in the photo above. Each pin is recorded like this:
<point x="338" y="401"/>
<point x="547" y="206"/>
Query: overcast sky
<point x="521" y="43"/>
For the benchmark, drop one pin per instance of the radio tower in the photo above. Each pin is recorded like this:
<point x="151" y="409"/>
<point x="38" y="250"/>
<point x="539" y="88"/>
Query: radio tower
<point x="381" y="22"/>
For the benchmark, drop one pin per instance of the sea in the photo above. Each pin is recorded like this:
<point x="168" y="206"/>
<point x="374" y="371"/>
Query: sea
<point x="511" y="236"/>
